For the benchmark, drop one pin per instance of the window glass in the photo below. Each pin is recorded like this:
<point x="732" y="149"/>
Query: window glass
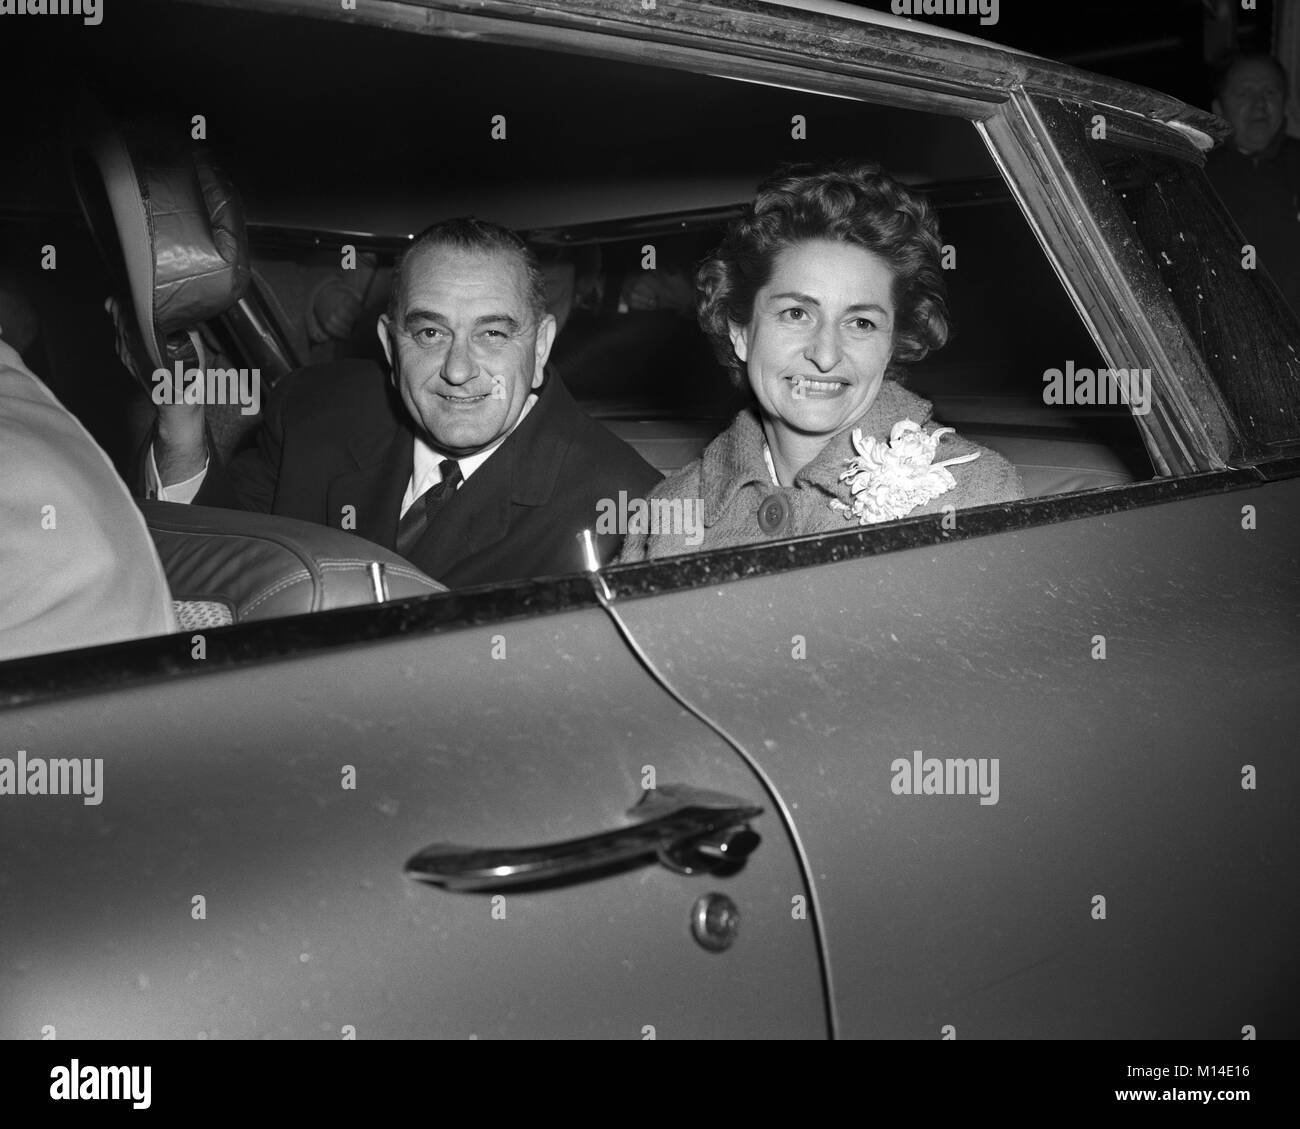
<point x="1234" y="315"/>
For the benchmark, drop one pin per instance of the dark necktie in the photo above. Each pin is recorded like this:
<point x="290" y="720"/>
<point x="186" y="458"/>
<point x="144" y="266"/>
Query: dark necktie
<point x="425" y="508"/>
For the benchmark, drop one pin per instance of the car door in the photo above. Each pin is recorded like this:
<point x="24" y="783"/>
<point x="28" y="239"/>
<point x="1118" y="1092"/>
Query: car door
<point x="264" y="786"/>
<point x="1041" y="756"/>
<point x="1116" y="697"/>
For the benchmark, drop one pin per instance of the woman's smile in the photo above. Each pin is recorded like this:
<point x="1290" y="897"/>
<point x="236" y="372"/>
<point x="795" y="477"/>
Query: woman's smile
<point x="805" y="387"/>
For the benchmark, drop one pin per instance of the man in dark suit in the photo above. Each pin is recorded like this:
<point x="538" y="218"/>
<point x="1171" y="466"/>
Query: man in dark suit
<point x="1256" y="172"/>
<point x="471" y="461"/>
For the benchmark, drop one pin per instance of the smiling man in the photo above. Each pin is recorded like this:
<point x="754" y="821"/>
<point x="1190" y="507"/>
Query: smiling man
<point x="1257" y="170"/>
<point x="468" y="459"/>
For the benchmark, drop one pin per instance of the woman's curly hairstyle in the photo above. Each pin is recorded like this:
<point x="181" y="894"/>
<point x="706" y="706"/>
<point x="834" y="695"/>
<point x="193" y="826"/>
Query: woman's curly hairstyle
<point x="852" y="201"/>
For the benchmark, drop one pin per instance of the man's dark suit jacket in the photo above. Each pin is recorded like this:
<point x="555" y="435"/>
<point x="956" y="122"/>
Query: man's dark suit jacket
<point x="1262" y="191"/>
<point x="336" y="447"/>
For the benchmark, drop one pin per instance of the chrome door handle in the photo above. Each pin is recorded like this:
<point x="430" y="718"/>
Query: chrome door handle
<point x="687" y="829"/>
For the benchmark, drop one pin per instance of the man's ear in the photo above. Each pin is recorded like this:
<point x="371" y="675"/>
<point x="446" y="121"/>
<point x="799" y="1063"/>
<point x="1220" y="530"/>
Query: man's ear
<point x="739" y="340"/>
<point x="385" y="330"/>
<point x="545" y="339"/>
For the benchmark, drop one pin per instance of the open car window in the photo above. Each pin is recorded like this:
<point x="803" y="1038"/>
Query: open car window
<point x="646" y="177"/>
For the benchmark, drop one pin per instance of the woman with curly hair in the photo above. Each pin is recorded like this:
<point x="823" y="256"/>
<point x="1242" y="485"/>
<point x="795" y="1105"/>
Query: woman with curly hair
<point x="816" y="298"/>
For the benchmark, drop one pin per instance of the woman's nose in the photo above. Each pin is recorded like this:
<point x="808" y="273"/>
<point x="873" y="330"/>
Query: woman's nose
<point x="824" y="349"/>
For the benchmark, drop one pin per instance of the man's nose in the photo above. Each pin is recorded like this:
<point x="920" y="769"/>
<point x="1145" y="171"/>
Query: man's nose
<point x="458" y="366"/>
<point x="824" y="349"/>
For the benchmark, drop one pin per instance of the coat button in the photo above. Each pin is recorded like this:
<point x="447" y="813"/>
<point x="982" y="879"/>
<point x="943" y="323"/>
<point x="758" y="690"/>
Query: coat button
<point x="773" y="513"/>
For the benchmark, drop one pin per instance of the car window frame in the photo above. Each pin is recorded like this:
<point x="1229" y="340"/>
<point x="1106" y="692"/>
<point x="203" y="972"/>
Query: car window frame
<point x="1041" y="150"/>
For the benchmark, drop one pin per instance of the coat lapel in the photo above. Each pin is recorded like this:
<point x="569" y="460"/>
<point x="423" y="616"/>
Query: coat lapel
<point x="476" y="516"/>
<point x="375" y="487"/>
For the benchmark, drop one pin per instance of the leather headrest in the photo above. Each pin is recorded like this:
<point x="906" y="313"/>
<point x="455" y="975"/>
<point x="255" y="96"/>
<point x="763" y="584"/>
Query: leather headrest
<point x="169" y="224"/>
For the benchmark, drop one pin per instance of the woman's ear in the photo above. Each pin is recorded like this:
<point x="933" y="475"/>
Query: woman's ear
<point x="739" y="335"/>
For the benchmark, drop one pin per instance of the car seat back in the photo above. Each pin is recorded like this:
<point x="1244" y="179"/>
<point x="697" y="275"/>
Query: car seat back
<point x="227" y="566"/>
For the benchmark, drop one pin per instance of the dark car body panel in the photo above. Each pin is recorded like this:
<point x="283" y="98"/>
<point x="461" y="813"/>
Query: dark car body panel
<point x="1119" y="776"/>
<point x="229" y="786"/>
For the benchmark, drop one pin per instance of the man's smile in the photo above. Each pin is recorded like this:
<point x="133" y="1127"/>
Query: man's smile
<point x="462" y="401"/>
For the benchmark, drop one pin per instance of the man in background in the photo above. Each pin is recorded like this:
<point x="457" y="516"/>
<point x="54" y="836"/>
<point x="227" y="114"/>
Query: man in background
<point x="1257" y="171"/>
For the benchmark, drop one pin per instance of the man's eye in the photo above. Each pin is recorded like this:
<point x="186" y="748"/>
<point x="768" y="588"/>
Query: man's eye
<point x="428" y="335"/>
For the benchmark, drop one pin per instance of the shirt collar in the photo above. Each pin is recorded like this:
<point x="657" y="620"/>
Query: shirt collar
<point x="426" y="471"/>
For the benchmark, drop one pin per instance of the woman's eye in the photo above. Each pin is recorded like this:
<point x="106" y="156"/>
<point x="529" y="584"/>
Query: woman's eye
<point x="862" y="325"/>
<point x="795" y="313"/>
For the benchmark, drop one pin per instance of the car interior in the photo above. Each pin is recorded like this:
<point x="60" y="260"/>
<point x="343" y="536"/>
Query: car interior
<point x="381" y="134"/>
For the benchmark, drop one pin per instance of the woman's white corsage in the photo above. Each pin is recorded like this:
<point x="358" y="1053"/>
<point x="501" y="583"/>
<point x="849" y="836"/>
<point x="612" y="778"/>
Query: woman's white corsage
<point x="889" y="480"/>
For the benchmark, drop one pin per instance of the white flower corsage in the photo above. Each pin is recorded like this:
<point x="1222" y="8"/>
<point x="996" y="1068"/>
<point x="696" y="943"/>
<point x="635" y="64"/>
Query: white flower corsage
<point x="889" y="480"/>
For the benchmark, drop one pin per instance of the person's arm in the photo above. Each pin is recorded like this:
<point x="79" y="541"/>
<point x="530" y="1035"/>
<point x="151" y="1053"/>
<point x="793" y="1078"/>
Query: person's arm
<point x="249" y="480"/>
<point x="247" y="483"/>
<point x="180" y="445"/>
<point x="182" y="492"/>
<point x="169" y="469"/>
<point x="174" y="460"/>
